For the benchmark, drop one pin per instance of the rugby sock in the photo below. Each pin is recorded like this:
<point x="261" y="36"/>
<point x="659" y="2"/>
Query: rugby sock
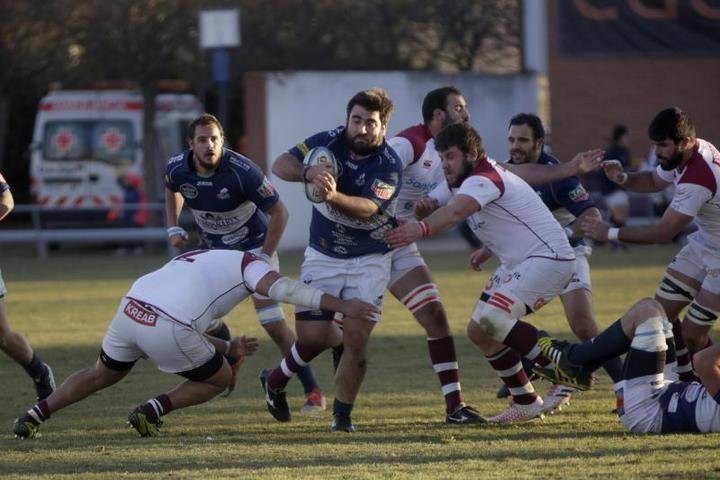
<point x="157" y="407"/>
<point x="523" y="338"/>
<point x="611" y="342"/>
<point x="444" y="361"/>
<point x="39" y="412"/>
<point x="684" y="367"/>
<point x="35" y="368"/>
<point x="223" y="333"/>
<point x="299" y="356"/>
<point x="614" y="369"/>
<point x="670" y="357"/>
<point x="342" y="407"/>
<point x="507" y="365"/>
<point x="307" y="379"/>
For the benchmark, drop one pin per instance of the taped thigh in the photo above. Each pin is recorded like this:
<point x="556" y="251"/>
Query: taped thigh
<point x="497" y="313"/>
<point x="675" y="290"/>
<point x="701" y="315"/>
<point x="420" y="296"/>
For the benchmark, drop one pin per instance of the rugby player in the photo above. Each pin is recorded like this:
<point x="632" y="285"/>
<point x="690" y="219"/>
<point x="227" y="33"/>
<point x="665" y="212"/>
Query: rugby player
<point x="235" y="207"/>
<point x="164" y="317"/>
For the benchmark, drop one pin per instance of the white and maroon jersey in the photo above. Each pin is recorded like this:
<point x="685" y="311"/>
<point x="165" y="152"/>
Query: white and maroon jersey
<point x="196" y="287"/>
<point x="696" y="191"/>
<point x="422" y="167"/>
<point x="512" y="221"/>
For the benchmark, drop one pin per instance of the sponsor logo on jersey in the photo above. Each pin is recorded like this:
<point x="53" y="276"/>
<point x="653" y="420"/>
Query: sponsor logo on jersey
<point x="579" y="194"/>
<point x="235" y="237"/>
<point x="427" y="164"/>
<point x="140" y="313"/>
<point x="340" y="250"/>
<point x="360" y="181"/>
<point x="223" y="194"/>
<point x="176" y="158"/>
<point x="382" y="190"/>
<point x="188" y="191"/>
<point x="204" y="183"/>
<point x="266" y="190"/>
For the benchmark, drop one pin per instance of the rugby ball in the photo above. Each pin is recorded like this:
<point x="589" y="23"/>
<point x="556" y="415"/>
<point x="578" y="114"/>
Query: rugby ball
<point x="318" y="156"/>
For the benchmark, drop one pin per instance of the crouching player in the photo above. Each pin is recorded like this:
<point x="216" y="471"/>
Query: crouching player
<point x="648" y="402"/>
<point x="164" y="316"/>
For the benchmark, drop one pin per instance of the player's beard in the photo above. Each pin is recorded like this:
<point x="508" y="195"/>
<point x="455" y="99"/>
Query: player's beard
<point x="670" y="163"/>
<point x="208" y="162"/>
<point x="460" y="178"/>
<point x="362" y="149"/>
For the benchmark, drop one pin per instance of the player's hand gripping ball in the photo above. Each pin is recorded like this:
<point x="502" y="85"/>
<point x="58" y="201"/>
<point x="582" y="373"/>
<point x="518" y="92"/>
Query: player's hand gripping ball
<point x="318" y="156"/>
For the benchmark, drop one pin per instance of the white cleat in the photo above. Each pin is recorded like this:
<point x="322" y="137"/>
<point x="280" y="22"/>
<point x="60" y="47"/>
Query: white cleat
<point x="520" y="413"/>
<point x="557" y="397"/>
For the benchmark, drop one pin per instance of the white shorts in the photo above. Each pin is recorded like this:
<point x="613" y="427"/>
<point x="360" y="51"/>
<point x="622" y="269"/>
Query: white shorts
<point x="581" y="275"/>
<point x="365" y="277"/>
<point x="617" y="199"/>
<point x="699" y="262"/>
<point x="172" y="346"/>
<point x="641" y="411"/>
<point x="3" y="290"/>
<point x="535" y="281"/>
<point x="403" y="260"/>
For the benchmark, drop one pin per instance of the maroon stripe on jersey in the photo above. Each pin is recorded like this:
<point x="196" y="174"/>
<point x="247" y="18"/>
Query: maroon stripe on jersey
<point x="485" y="169"/>
<point x="418" y="136"/>
<point x="698" y="172"/>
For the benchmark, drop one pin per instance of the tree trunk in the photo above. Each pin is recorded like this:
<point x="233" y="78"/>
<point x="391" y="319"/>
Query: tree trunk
<point x="150" y="160"/>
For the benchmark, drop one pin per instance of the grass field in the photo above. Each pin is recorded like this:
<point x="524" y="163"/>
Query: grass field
<point x="64" y="305"/>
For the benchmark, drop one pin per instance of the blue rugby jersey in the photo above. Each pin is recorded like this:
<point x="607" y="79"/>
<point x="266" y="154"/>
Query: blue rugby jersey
<point x="566" y="198"/>
<point x="228" y="205"/>
<point x="376" y="177"/>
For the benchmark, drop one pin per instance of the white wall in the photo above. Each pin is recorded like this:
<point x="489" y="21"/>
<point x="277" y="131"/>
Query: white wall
<point x="299" y="104"/>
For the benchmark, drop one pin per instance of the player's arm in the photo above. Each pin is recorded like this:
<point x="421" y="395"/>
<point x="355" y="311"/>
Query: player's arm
<point x="288" y="167"/>
<point x="534" y="174"/>
<point x="7" y="203"/>
<point x="671" y="223"/>
<point x="643" y="182"/>
<point x="706" y="363"/>
<point x="173" y="205"/>
<point x="458" y="209"/>
<point x="237" y="347"/>
<point x="356" y="207"/>
<point x="591" y="214"/>
<point x="276" y="226"/>
<point x="287" y="290"/>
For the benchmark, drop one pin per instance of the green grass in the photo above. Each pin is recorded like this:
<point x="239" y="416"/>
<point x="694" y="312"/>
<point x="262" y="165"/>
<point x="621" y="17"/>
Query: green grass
<point x="64" y="305"/>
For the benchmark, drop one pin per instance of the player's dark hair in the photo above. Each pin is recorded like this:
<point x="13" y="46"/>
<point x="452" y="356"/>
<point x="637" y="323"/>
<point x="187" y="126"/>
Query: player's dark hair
<point x="671" y="123"/>
<point x="204" y="120"/>
<point x="373" y="100"/>
<point x="532" y="121"/>
<point x="435" y="99"/>
<point x="619" y="131"/>
<point x="462" y="136"/>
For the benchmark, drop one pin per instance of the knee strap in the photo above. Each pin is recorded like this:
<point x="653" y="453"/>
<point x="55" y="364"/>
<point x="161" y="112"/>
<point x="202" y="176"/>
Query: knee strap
<point x="420" y="296"/>
<point x="670" y="288"/>
<point x="497" y="315"/>
<point x="701" y="315"/>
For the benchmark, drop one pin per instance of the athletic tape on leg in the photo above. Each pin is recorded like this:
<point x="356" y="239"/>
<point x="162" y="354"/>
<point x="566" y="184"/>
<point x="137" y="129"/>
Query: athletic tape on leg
<point x="701" y="315"/>
<point x="670" y="288"/>
<point x="420" y="296"/>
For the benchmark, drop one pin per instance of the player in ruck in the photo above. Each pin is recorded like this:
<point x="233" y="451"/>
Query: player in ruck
<point x="648" y="402"/>
<point x="357" y="205"/>
<point x="569" y="202"/>
<point x="693" y="166"/>
<point x="537" y="263"/>
<point x="12" y="343"/>
<point x="235" y="207"/>
<point x="164" y="317"/>
<point x="410" y="279"/>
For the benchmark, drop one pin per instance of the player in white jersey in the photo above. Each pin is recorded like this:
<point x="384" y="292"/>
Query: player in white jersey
<point x="539" y="261"/>
<point x="410" y="279"/>
<point x="648" y="402"/>
<point x="164" y="317"/>
<point x="693" y="276"/>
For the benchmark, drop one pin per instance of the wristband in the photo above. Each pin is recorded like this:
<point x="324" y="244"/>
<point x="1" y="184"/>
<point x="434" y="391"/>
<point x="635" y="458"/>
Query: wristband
<point x="177" y="231"/>
<point x="613" y="234"/>
<point x="569" y="232"/>
<point x="623" y="178"/>
<point x="424" y="229"/>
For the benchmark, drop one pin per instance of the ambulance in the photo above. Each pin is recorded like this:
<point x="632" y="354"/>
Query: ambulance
<point x="85" y="140"/>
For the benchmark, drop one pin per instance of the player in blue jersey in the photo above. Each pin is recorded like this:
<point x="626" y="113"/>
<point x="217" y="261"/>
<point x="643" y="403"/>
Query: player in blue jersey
<point x="13" y="343"/>
<point x="568" y="200"/>
<point x="235" y="207"/>
<point x="347" y="256"/>
<point x="647" y="401"/>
